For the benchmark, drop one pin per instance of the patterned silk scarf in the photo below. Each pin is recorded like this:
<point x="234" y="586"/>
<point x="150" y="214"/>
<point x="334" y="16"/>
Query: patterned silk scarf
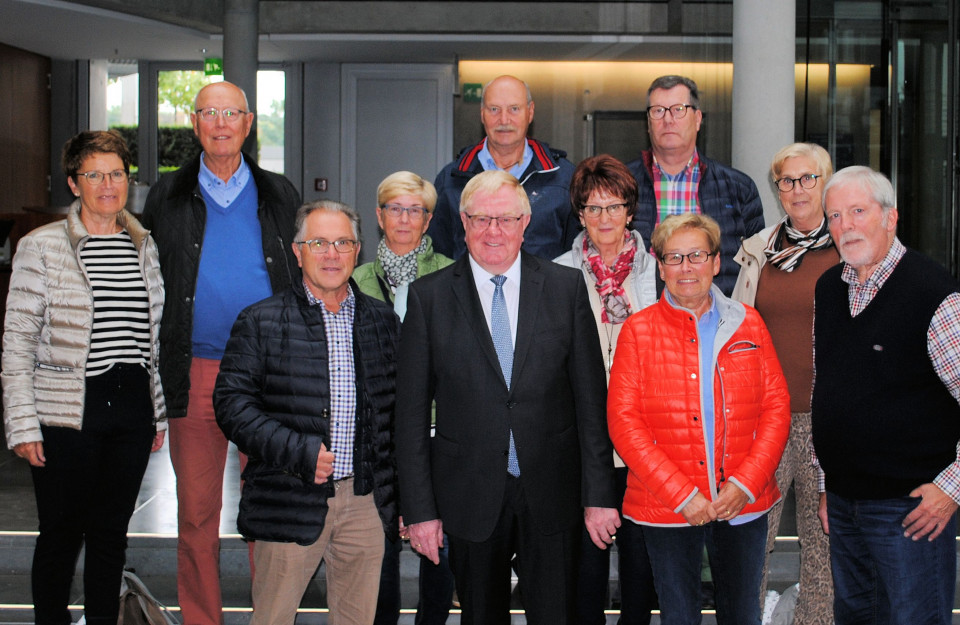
<point x="400" y="269"/>
<point x="788" y="257"/>
<point x="616" y="304"/>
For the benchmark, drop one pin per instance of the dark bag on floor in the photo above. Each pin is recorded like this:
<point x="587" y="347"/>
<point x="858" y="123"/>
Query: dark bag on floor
<point x="139" y="607"/>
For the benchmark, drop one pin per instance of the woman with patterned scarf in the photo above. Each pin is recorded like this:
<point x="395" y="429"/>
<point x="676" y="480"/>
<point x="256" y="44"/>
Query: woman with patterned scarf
<point x="405" y="204"/>
<point x="621" y="279"/>
<point x="779" y="268"/>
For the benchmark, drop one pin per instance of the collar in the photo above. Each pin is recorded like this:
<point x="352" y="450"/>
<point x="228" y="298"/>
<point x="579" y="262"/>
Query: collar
<point x="685" y="172"/>
<point x="488" y="164"/>
<point x="482" y="276"/>
<point x="313" y="301"/>
<point x="209" y="180"/>
<point x="883" y="270"/>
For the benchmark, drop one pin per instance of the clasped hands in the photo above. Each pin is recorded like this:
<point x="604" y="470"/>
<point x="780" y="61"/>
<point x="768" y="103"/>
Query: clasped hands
<point x="730" y="501"/>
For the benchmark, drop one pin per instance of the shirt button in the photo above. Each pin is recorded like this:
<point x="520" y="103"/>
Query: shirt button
<point x="693" y="376"/>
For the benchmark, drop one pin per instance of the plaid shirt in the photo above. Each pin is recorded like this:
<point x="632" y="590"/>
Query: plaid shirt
<point x="343" y="381"/>
<point x="677" y="194"/>
<point x="943" y="345"/>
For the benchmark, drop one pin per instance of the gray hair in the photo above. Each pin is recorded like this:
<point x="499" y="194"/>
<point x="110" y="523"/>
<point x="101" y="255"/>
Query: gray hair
<point x="873" y="182"/>
<point x="329" y="206"/>
<point x="671" y="81"/>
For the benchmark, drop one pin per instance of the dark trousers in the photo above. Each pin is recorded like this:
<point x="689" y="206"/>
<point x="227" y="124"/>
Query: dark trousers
<point x="86" y="494"/>
<point x="546" y="563"/>
<point x="637" y="594"/>
<point x="435" y="589"/>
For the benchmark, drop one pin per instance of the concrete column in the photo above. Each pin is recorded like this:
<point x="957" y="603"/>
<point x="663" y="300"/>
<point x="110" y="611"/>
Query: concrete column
<point x="764" y="56"/>
<point x="241" y="39"/>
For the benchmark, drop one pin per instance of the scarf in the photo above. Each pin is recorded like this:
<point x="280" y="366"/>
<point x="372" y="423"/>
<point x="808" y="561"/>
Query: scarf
<point x="789" y="257"/>
<point x="399" y="269"/>
<point x="609" y="280"/>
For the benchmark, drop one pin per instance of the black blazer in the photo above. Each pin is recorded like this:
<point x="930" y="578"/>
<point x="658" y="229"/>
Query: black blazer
<point x="556" y="405"/>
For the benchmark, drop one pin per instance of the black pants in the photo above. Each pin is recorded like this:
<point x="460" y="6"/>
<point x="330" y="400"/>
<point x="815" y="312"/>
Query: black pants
<point x="546" y="565"/>
<point x="86" y="493"/>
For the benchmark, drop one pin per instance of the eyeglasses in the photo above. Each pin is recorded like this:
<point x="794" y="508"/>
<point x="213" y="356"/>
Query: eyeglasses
<point x="210" y="114"/>
<point x="95" y="178"/>
<point x="697" y="257"/>
<point x="614" y="210"/>
<point x="320" y="246"/>
<point x="807" y="181"/>
<point x="395" y="210"/>
<point x="678" y="111"/>
<point x="482" y="222"/>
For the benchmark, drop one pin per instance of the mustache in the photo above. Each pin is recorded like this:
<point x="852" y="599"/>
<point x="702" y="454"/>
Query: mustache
<point x="850" y="237"/>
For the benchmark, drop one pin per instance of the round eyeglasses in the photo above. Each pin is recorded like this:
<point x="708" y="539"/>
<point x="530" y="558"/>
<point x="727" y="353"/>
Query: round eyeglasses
<point x="95" y="178"/>
<point x="697" y="257"/>
<point x="807" y="181"/>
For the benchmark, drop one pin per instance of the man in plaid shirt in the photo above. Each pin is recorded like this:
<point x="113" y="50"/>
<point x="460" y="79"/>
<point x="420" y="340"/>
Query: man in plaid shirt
<point x="674" y="178"/>
<point x="886" y="420"/>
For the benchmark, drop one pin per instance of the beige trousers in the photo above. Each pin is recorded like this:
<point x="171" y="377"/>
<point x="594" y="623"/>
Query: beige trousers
<point x="351" y="546"/>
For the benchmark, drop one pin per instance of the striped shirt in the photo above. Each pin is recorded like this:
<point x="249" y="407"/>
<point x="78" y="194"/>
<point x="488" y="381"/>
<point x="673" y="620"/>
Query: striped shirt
<point x="121" y="315"/>
<point x="677" y="194"/>
<point x="343" y="381"/>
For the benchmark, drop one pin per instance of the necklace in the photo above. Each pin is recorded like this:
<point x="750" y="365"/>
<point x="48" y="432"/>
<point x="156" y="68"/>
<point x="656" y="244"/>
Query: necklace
<point x="609" y="329"/>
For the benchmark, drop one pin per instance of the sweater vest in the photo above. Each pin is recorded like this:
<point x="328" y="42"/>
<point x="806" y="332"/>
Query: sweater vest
<point x="883" y="422"/>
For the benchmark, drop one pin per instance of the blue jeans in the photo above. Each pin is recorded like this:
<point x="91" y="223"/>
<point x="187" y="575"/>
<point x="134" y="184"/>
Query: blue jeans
<point x="736" y="558"/>
<point x="436" y="588"/>
<point x="879" y="575"/>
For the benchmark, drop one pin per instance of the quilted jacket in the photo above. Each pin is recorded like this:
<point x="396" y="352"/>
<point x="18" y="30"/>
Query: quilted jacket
<point x="49" y="320"/>
<point x="272" y="399"/>
<point x="654" y="410"/>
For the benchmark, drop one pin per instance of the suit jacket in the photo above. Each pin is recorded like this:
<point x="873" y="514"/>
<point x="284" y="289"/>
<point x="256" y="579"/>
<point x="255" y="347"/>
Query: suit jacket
<point x="556" y="404"/>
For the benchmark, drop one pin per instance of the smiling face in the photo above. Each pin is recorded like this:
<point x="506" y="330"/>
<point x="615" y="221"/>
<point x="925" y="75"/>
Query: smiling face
<point x="505" y="113"/>
<point x="403" y="233"/>
<point x="326" y="273"/>
<point x="688" y="283"/>
<point x="805" y="206"/>
<point x="106" y="199"/>
<point x="670" y="136"/>
<point x="605" y="231"/>
<point x="862" y="233"/>
<point x="495" y="248"/>
<point x="222" y="139"/>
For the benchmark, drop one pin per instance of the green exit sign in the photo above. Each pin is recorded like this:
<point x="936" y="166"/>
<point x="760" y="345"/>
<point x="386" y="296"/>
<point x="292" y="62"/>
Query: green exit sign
<point x="213" y="67"/>
<point x="472" y="91"/>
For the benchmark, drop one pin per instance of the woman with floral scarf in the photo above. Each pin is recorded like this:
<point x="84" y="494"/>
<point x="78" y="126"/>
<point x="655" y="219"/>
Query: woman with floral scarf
<point x="621" y="279"/>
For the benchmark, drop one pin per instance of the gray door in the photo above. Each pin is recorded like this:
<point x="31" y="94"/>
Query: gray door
<point x="395" y="117"/>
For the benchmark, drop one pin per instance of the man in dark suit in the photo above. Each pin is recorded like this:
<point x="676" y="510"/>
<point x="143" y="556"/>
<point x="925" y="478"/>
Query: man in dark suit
<point x="506" y="346"/>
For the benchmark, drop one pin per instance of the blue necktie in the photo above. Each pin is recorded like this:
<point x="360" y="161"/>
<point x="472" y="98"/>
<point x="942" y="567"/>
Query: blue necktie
<point x="503" y="343"/>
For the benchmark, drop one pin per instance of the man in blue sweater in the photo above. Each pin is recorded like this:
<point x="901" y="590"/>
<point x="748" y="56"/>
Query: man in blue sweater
<point x="224" y="229"/>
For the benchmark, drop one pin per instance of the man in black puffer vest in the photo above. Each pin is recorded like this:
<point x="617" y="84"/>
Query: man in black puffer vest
<point x="886" y="420"/>
<point x="306" y="390"/>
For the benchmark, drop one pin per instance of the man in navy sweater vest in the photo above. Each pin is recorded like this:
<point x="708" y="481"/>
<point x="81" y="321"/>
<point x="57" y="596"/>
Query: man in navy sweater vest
<point x="886" y="420"/>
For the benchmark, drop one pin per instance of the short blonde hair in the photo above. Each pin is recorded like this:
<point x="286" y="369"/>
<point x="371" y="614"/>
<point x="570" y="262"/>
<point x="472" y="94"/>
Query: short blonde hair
<point x="490" y="182"/>
<point x="407" y="183"/>
<point x="688" y="221"/>
<point x="814" y="152"/>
